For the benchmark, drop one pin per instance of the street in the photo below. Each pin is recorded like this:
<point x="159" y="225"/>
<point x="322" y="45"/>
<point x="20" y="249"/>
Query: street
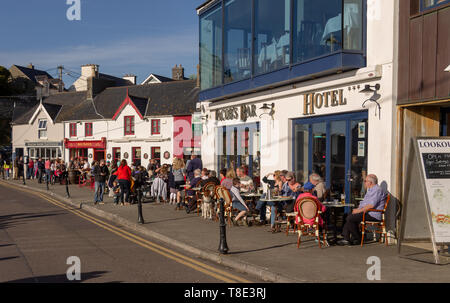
<point x="38" y="235"/>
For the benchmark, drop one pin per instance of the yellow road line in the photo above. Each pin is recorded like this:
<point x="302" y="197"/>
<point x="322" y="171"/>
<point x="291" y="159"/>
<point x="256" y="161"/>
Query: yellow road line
<point x="204" y="268"/>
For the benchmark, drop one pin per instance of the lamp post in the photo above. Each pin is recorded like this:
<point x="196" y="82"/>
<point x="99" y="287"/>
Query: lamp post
<point x="66" y="175"/>
<point x="223" y="247"/>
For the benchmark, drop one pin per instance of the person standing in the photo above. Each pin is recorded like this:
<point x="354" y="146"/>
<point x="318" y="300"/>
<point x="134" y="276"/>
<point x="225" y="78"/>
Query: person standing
<point x="124" y="178"/>
<point x="47" y="166"/>
<point x="2" y="164"/>
<point x="100" y="172"/>
<point x="16" y="168"/>
<point x="195" y="163"/>
<point x="30" y="168"/>
<point x="41" y="169"/>
<point x="20" y="168"/>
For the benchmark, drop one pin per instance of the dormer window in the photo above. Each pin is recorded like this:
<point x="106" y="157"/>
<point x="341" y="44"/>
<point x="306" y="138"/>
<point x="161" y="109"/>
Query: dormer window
<point x="42" y="129"/>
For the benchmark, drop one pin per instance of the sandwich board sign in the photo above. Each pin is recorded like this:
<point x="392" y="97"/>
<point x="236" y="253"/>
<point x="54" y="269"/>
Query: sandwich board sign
<point x="426" y="211"/>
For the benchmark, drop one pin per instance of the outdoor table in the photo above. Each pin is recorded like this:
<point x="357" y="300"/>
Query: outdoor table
<point x="333" y="206"/>
<point x="277" y="199"/>
<point x="250" y="198"/>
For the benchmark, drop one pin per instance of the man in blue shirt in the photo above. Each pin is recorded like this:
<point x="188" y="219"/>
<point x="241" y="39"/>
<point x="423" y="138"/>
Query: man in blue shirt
<point x="195" y="163"/>
<point x="375" y="198"/>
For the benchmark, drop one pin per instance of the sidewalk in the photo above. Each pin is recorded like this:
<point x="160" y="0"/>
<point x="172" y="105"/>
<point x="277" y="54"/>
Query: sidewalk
<point x="253" y="250"/>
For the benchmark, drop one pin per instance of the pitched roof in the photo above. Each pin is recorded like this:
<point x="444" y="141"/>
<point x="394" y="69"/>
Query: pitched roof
<point x="32" y="73"/>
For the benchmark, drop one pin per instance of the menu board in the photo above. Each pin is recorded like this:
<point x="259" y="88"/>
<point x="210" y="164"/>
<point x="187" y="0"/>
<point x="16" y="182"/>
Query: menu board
<point x="435" y="164"/>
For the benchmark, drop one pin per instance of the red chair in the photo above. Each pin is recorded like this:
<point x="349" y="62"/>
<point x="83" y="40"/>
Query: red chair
<point x="379" y="226"/>
<point x="309" y="209"/>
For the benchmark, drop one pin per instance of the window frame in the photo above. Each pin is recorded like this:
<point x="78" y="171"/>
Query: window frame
<point x="157" y="127"/>
<point x="152" y="152"/>
<point x="72" y="129"/>
<point x="114" y="151"/>
<point x="128" y="121"/>
<point x="133" y="152"/>
<point x="424" y="9"/>
<point x="88" y="129"/>
<point x="42" y="128"/>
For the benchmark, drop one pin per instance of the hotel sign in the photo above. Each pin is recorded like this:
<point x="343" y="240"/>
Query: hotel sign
<point x="232" y="113"/>
<point x="314" y="101"/>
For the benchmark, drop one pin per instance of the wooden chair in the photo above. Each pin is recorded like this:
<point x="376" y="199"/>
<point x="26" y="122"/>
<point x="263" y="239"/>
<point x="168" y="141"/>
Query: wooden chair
<point x="211" y="187"/>
<point x="223" y="192"/>
<point x="380" y="226"/>
<point x="308" y="209"/>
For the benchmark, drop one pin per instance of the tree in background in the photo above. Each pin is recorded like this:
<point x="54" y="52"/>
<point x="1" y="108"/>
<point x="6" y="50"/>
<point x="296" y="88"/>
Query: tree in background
<point x="5" y="87"/>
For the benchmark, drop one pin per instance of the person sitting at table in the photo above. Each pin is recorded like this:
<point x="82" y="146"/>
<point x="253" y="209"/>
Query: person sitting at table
<point x="375" y="198"/>
<point x="212" y="178"/>
<point x="223" y="174"/>
<point x="291" y="189"/>
<point x="238" y="203"/>
<point x="275" y="184"/>
<point x="228" y="182"/>
<point x="320" y="187"/>
<point x="205" y="173"/>
<point x="246" y="181"/>
<point x="190" y="194"/>
<point x="308" y="192"/>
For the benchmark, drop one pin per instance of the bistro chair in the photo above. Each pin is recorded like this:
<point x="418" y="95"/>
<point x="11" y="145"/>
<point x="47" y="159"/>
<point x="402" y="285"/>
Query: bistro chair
<point x="379" y="227"/>
<point x="223" y="192"/>
<point x="211" y="187"/>
<point x="308" y="209"/>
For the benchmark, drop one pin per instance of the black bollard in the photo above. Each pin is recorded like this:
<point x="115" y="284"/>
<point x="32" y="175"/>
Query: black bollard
<point x="67" y="184"/>
<point x="46" y="180"/>
<point x="140" y="217"/>
<point x="223" y="247"/>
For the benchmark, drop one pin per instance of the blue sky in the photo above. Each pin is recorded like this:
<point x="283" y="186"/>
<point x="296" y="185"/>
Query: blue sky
<point x="123" y="37"/>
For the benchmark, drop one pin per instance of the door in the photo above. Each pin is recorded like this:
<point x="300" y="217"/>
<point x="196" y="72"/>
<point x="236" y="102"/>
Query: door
<point x="99" y="154"/>
<point x="334" y="147"/>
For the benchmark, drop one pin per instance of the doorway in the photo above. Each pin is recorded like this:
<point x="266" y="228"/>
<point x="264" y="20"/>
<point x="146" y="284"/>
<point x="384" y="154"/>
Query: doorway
<point x="335" y="147"/>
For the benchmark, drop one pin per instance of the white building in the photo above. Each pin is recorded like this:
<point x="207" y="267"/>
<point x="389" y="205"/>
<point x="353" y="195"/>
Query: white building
<point x="294" y="98"/>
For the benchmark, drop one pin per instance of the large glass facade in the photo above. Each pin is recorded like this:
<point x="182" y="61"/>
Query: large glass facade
<point x="211" y="48"/>
<point x="238" y="40"/>
<point x="244" y="39"/>
<point x="272" y="35"/>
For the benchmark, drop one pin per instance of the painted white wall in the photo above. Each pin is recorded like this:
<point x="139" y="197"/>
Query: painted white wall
<point x="24" y="133"/>
<point x="113" y="130"/>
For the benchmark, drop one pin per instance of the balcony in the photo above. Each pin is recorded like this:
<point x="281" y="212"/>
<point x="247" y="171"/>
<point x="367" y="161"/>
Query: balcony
<point x="249" y="45"/>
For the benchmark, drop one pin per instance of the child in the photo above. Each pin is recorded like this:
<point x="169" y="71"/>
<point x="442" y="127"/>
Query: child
<point x="238" y="202"/>
<point x="116" y="191"/>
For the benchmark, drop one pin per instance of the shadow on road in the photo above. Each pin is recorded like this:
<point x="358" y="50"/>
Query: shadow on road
<point x="8" y="220"/>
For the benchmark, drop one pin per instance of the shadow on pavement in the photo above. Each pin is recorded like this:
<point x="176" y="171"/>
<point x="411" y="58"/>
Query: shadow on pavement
<point x="61" y="278"/>
<point x="8" y="258"/>
<point x="9" y="220"/>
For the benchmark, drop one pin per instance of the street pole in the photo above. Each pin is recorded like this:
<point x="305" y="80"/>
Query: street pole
<point x="223" y="247"/>
<point x="46" y="180"/>
<point x="24" y="172"/>
<point x="140" y="217"/>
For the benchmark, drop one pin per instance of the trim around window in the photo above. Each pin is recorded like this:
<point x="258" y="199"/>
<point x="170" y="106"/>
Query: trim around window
<point x="128" y="125"/>
<point x="156" y="127"/>
<point x="88" y="130"/>
<point x="73" y="129"/>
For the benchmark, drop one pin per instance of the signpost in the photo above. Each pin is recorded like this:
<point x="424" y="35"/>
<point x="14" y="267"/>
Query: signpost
<point x="426" y="210"/>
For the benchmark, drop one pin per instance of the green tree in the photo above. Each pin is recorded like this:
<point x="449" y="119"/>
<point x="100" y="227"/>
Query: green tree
<point x="5" y="88"/>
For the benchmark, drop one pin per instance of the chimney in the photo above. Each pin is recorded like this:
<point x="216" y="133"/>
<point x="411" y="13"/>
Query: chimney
<point x="31" y="66"/>
<point x="178" y="73"/>
<point x="131" y="78"/>
<point x="89" y="70"/>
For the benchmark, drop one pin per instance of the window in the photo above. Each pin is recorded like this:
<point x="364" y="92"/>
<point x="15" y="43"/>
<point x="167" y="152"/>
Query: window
<point x="211" y="48"/>
<point x="156" y="153"/>
<point x="272" y="34"/>
<point x="73" y="129"/>
<point x="42" y="129"/>
<point x="156" y="127"/>
<point x="88" y="129"/>
<point x="136" y="151"/>
<point x="238" y="40"/>
<point x="426" y="4"/>
<point x="116" y="154"/>
<point x="129" y="125"/>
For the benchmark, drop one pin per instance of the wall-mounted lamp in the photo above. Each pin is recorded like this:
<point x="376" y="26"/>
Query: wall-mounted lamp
<point x="205" y="117"/>
<point x="268" y="110"/>
<point x="375" y="97"/>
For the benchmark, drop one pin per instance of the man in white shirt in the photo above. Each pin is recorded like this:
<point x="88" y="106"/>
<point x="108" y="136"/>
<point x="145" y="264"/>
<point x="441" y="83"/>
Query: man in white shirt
<point x="246" y="181"/>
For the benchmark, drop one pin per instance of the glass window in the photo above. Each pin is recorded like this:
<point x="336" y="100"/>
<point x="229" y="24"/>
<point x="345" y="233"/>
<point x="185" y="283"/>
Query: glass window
<point x="211" y="48"/>
<point x="156" y="153"/>
<point x="129" y="125"/>
<point x="353" y="24"/>
<point x="430" y="3"/>
<point x="73" y="129"/>
<point x="317" y="28"/>
<point x="136" y="156"/>
<point x="116" y="154"/>
<point x="301" y="152"/>
<point x="238" y="38"/>
<point x="156" y="127"/>
<point x="88" y="130"/>
<point x="272" y="34"/>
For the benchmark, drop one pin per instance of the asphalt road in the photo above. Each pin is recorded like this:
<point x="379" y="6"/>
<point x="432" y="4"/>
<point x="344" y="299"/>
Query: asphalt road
<point x="38" y="235"/>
